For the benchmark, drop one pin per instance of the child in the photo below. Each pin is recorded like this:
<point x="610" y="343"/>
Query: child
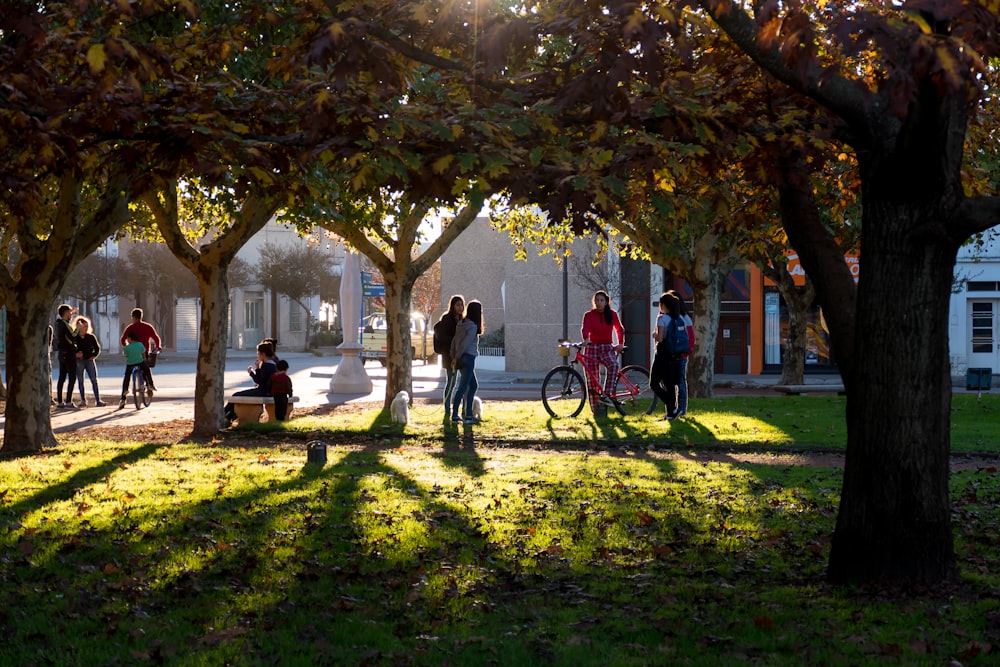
<point x="281" y="389"/>
<point x="135" y="357"/>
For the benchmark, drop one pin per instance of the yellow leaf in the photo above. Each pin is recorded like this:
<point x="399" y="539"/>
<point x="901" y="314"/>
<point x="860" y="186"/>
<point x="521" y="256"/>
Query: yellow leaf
<point x="599" y="129"/>
<point x="96" y="58"/>
<point x="442" y="163"/>
<point x="336" y="31"/>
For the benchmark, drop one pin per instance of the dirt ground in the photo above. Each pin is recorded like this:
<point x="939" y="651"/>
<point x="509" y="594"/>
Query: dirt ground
<point x="179" y="431"/>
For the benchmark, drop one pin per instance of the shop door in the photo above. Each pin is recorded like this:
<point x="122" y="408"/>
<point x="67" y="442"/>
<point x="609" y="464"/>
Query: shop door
<point x="982" y="327"/>
<point x="731" y="345"/>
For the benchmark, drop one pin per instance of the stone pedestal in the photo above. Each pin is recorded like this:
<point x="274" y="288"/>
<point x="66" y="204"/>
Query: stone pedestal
<point x="351" y="377"/>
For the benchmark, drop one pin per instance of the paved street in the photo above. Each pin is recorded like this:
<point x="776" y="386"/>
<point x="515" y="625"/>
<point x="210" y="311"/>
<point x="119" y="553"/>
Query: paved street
<point x="311" y="377"/>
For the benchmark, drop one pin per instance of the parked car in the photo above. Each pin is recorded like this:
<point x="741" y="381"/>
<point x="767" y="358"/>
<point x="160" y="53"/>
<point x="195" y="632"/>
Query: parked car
<point x="373" y="338"/>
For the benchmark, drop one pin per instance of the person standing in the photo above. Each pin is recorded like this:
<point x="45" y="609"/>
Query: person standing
<point x="682" y="382"/>
<point x="665" y="373"/>
<point x="464" y="350"/>
<point x="145" y="332"/>
<point x="444" y="334"/>
<point x="88" y="349"/>
<point x="65" y="336"/>
<point x="604" y="336"/>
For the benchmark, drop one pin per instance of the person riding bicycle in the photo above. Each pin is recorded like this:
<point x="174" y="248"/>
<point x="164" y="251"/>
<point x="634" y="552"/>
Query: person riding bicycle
<point x="145" y="333"/>
<point x="135" y="357"/>
<point x="600" y="327"/>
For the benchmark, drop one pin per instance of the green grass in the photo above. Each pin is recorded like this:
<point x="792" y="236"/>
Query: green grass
<point x="773" y="423"/>
<point x="436" y="546"/>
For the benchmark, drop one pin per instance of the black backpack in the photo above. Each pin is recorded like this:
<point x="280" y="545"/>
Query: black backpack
<point x="675" y="342"/>
<point x="443" y="337"/>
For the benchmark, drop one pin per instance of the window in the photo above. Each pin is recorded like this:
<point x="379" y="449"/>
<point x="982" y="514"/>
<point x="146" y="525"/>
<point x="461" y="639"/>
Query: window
<point x="252" y="314"/>
<point x="294" y="316"/>
<point x="982" y="327"/>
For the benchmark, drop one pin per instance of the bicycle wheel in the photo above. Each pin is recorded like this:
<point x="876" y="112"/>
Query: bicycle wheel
<point x="137" y="391"/>
<point x="147" y="396"/>
<point x="563" y="392"/>
<point x="633" y="393"/>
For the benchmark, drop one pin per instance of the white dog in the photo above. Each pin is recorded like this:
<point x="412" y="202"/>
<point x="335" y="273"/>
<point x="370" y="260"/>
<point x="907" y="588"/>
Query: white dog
<point x="477" y="407"/>
<point x="400" y="408"/>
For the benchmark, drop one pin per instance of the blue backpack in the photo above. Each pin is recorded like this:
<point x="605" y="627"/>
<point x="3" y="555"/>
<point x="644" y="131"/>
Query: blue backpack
<point x="675" y="342"/>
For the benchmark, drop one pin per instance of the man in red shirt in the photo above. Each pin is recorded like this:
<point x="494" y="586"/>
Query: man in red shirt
<point x="145" y="331"/>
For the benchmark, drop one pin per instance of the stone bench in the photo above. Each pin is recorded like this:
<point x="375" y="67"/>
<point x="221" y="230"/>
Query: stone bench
<point x="251" y="408"/>
<point x="797" y="389"/>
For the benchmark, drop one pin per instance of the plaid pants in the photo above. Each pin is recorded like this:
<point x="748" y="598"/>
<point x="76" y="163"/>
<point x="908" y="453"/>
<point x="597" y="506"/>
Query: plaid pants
<point x="602" y="354"/>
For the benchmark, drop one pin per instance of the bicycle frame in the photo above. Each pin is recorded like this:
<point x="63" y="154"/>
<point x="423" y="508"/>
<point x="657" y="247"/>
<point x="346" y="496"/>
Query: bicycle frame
<point x="565" y="389"/>
<point x="594" y="379"/>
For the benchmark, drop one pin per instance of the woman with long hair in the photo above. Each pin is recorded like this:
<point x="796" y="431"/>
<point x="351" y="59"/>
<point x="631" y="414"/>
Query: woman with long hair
<point x="604" y="335"/>
<point x="86" y="361"/>
<point x="444" y="333"/>
<point x="665" y="373"/>
<point x="464" y="350"/>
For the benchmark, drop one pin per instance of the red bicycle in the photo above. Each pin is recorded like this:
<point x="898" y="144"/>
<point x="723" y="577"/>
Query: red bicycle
<point x="564" y="392"/>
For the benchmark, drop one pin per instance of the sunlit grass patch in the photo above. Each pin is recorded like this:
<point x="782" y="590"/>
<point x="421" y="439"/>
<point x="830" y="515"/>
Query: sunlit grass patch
<point x="450" y="547"/>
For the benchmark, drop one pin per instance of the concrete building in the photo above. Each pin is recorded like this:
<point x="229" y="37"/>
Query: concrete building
<point x="539" y="301"/>
<point x="254" y="312"/>
<point x="974" y="311"/>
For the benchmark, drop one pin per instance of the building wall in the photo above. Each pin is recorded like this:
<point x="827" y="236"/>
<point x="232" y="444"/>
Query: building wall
<point x="274" y="309"/>
<point x="974" y="310"/>
<point x="526" y="297"/>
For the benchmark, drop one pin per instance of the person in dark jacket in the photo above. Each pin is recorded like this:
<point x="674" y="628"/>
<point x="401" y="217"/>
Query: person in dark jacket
<point x="65" y="341"/>
<point x="261" y="371"/>
<point x="88" y="349"/>
<point x="445" y="330"/>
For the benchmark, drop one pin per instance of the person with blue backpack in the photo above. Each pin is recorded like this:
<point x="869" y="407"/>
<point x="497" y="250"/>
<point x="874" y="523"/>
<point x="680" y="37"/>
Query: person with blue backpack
<point x="671" y="342"/>
<point x="682" y="388"/>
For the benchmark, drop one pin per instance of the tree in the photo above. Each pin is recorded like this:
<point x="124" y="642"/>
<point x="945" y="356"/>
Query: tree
<point x="99" y="100"/>
<point x="98" y="276"/>
<point x="427" y="297"/>
<point x="906" y="114"/>
<point x="295" y="271"/>
<point x="209" y="260"/>
<point x="388" y="237"/>
<point x="897" y="84"/>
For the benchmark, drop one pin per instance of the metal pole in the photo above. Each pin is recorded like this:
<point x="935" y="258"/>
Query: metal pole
<point x="565" y="300"/>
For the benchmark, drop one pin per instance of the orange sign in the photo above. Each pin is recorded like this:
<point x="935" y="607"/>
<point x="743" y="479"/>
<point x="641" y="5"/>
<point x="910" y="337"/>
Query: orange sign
<point x="799" y="274"/>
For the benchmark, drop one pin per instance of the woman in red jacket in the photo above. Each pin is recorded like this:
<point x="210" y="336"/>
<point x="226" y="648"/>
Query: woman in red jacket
<point x="601" y="328"/>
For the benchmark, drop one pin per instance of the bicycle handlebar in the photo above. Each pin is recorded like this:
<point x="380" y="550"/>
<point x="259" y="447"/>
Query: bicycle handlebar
<point x="580" y="345"/>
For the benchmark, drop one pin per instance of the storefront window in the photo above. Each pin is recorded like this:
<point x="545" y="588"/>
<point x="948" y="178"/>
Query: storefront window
<point x="818" y="354"/>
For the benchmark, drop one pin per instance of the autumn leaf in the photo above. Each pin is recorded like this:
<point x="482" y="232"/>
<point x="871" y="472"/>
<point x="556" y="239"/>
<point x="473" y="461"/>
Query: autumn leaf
<point x="96" y="58"/>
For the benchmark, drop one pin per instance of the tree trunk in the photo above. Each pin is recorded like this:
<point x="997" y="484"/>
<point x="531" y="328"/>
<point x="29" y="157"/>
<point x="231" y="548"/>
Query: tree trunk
<point x="28" y="425"/>
<point x="398" y="358"/>
<point x="798" y="303"/>
<point x="711" y="263"/>
<point x="701" y="363"/>
<point x="76" y="231"/>
<point x="209" y="263"/>
<point x="894" y="523"/>
<point x="209" y="381"/>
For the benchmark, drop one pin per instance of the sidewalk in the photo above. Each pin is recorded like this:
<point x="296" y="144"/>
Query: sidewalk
<point x="311" y="375"/>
